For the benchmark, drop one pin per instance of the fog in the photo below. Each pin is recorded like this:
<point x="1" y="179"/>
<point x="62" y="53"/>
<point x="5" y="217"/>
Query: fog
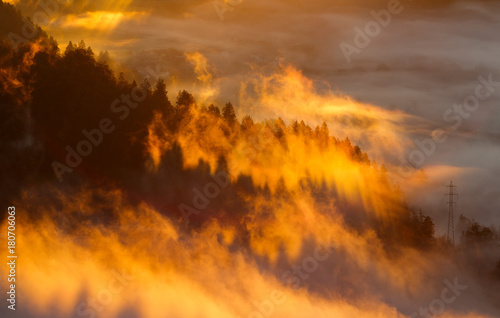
<point x="283" y="59"/>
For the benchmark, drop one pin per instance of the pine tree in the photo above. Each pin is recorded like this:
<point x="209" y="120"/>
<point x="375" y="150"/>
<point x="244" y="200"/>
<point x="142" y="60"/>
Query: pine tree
<point x="69" y="48"/>
<point x="228" y="113"/>
<point x="214" y="110"/>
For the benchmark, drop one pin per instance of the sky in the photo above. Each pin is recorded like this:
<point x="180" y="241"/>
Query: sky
<point x="315" y="61"/>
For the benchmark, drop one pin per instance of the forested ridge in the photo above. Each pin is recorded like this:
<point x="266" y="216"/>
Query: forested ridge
<point x="145" y="146"/>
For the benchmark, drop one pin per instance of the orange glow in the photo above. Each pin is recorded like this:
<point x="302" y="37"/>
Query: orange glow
<point x="100" y="20"/>
<point x="204" y="75"/>
<point x="91" y="251"/>
<point x="165" y="271"/>
<point x="290" y="95"/>
<point x="261" y="155"/>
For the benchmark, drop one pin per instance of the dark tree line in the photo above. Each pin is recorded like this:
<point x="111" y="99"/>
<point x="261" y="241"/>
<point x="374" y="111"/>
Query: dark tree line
<point x="472" y="233"/>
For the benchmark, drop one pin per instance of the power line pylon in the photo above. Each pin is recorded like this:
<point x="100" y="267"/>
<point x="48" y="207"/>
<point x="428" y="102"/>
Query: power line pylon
<point x="451" y="204"/>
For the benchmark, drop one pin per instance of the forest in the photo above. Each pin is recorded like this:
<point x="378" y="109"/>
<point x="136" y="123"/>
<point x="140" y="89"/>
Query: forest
<point x="73" y="128"/>
<point x="49" y="97"/>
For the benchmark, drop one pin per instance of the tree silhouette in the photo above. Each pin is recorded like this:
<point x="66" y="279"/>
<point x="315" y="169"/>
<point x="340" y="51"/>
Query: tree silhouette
<point x="228" y="113"/>
<point x="185" y="101"/>
<point x="214" y="110"/>
<point x="160" y="99"/>
<point x="247" y="122"/>
<point x="69" y="48"/>
<point x="477" y="234"/>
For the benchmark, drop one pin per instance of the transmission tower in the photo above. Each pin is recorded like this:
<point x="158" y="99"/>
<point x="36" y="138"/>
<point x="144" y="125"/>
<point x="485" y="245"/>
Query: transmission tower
<point x="451" y="204"/>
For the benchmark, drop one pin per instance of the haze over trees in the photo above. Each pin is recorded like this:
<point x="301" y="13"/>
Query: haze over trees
<point x="49" y="97"/>
<point x="56" y="105"/>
